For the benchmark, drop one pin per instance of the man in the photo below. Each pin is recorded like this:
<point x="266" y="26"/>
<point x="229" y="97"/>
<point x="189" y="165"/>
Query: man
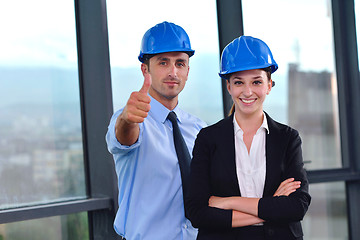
<point x="140" y="137"/>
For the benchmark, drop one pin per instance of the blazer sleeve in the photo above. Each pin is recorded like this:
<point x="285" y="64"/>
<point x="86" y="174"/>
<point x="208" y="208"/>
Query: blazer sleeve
<point x="293" y="207"/>
<point x="197" y="209"/>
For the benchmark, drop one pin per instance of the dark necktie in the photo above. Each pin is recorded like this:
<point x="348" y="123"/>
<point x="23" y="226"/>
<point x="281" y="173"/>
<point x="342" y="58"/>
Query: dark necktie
<point x="182" y="153"/>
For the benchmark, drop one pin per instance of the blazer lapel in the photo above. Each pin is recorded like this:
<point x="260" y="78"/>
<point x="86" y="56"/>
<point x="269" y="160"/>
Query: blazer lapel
<point x="274" y="158"/>
<point x="228" y="150"/>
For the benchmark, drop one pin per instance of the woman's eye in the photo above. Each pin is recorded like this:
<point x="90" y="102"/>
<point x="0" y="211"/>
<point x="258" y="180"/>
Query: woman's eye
<point x="257" y="82"/>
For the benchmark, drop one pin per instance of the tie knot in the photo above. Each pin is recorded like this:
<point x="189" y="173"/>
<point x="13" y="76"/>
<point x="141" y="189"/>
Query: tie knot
<point x="172" y="117"/>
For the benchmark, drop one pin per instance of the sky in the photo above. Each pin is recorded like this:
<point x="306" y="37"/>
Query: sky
<point x="37" y="38"/>
<point x="305" y="25"/>
<point x="48" y="37"/>
<point x="43" y="37"/>
<point x="134" y="18"/>
<point x="301" y="35"/>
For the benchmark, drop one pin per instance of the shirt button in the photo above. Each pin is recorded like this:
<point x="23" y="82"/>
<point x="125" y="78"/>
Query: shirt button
<point x="185" y="226"/>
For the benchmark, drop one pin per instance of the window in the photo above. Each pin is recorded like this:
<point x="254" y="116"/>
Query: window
<point x="41" y="145"/>
<point x="68" y="227"/>
<point x="300" y="35"/>
<point x="41" y="158"/>
<point x="42" y="150"/>
<point x="202" y="93"/>
<point x="305" y="94"/>
<point x="327" y="218"/>
<point x="357" y="18"/>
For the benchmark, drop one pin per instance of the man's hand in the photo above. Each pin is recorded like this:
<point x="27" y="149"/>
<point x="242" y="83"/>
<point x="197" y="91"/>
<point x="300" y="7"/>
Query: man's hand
<point x="136" y="110"/>
<point x="138" y="105"/>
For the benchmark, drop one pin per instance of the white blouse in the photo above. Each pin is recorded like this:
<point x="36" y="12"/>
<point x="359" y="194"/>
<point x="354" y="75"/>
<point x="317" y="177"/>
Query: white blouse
<point x="251" y="168"/>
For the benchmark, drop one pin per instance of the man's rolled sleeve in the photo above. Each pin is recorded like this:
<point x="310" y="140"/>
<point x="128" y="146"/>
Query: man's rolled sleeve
<point x="114" y="146"/>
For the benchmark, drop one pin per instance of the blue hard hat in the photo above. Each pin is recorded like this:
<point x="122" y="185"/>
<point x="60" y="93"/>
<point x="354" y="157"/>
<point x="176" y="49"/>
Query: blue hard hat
<point x="165" y="37"/>
<point x="246" y="53"/>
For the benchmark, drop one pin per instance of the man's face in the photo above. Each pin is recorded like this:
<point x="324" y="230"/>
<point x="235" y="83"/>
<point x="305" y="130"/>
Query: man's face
<point x="169" y="73"/>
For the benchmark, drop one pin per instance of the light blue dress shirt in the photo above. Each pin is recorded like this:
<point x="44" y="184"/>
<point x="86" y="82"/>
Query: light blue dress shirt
<point x="150" y="191"/>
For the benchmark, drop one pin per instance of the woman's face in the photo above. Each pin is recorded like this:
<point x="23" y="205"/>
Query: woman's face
<point x="248" y="90"/>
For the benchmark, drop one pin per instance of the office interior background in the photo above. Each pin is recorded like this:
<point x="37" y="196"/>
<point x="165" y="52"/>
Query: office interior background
<point x="66" y="66"/>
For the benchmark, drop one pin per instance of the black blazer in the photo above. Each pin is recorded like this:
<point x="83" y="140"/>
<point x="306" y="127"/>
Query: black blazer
<point x="213" y="173"/>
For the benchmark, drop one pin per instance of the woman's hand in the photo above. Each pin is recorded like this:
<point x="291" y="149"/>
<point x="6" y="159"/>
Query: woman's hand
<point x="287" y="187"/>
<point x="241" y="204"/>
<point x="219" y="202"/>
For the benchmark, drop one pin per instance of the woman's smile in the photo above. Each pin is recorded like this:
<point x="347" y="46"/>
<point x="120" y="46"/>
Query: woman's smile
<point x="248" y="101"/>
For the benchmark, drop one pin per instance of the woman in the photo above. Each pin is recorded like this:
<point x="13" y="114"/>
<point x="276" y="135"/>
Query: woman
<point x="247" y="176"/>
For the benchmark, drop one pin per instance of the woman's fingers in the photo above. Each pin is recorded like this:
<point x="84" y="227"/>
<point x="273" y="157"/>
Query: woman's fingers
<point x="287" y="187"/>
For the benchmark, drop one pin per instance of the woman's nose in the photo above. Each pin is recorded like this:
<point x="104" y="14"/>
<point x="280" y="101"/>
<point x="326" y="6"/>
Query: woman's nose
<point x="247" y="90"/>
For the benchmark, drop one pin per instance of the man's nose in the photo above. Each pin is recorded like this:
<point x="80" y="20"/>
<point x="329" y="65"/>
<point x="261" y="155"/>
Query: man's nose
<point x="173" y="71"/>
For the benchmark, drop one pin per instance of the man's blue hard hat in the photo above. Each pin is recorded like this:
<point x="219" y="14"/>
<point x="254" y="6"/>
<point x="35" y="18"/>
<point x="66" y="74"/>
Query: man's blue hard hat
<point x="165" y="37"/>
<point x="246" y="53"/>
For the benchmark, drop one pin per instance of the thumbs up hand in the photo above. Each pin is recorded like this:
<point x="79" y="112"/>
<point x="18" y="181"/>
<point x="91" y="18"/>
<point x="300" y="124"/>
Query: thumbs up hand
<point x="138" y="104"/>
<point x="147" y="83"/>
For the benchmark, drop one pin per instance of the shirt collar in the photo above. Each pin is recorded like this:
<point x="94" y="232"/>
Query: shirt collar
<point x="264" y="125"/>
<point x="160" y="112"/>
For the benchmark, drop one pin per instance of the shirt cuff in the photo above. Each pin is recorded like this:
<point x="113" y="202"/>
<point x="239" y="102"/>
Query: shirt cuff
<point x="114" y="146"/>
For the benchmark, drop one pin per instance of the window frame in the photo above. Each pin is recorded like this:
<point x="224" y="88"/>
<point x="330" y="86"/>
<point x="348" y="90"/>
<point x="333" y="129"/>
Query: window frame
<point x="97" y="109"/>
<point x="347" y="68"/>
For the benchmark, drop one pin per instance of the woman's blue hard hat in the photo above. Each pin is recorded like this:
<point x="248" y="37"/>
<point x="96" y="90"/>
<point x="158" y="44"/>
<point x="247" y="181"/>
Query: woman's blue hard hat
<point x="246" y="53"/>
<point x="164" y="37"/>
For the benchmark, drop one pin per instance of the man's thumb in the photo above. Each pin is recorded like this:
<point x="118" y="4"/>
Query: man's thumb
<point x="147" y="83"/>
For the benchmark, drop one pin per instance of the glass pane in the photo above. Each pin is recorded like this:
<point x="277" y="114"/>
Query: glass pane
<point x="326" y="217"/>
<point x="202" y="94"/>
<point x="41" y="156"/>
<point x="357" y="19"/>
<point x="68" y="227"/>
<point x="300" y="36"/>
